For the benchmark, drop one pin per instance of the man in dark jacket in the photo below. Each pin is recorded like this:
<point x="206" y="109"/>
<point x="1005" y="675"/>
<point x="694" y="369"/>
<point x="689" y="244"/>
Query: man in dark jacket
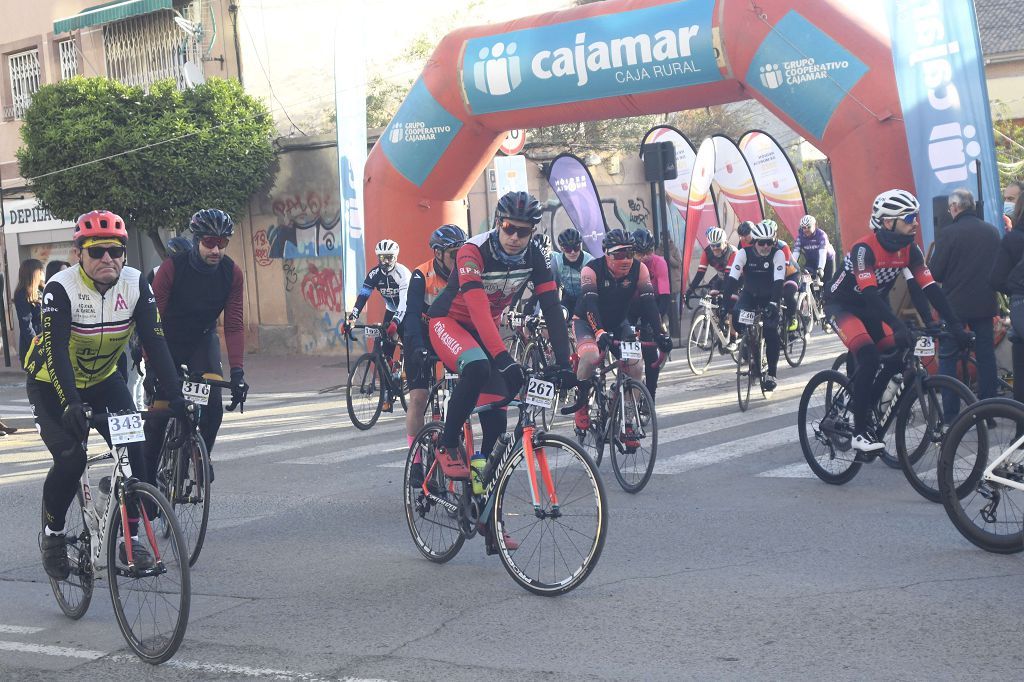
<point x="1008" y="277"/>
<point x="962" y="261"/>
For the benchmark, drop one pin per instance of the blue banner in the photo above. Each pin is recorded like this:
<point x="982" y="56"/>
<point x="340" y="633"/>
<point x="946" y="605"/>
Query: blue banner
<point x="419" y="134"/>
<point x="645" y="50"/>
<point x="941" y="80"/>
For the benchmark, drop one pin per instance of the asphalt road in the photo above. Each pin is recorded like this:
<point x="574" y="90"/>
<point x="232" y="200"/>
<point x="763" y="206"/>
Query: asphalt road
<point x="734" y="563"/>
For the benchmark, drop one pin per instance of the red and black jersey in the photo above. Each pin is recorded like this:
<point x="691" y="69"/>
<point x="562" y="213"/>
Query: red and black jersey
<point x="605" y="300"/>
<point x="870" y="265"/>
<point x="719" y="263"/>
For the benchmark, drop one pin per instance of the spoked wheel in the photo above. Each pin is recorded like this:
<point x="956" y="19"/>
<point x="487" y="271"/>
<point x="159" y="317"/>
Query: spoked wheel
<point x="744" y="377"/>
<point x="365" y="392"/>
<point x="700" y="345"/>
<point x="184" y="479"/>
<point x="74" y="593"/>
<point x="560" y="541"/>
<point x="920" y="430"/>
<point x="151" y="604"/>
<point x="826" y="428"/>
<point x="987" y="509"/>
<point x="794" y="344"/>
<point x="434" y="525"/>
<point x="634" y="445"/>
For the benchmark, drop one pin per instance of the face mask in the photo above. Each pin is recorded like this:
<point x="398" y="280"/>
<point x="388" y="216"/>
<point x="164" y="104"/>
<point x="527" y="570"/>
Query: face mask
<point x="1008" y="207"/>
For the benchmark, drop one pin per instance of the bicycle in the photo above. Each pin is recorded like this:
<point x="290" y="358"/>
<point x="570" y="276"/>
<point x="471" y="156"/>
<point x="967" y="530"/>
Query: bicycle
<point x="92" y="530"/>
<point x="911" y="398"/>
<point x="753" y="354"/>
<point x="375" y="380"/>
<point x="707" y="333"/>
<point x="981" y="475"/>
<point x="538" y="487"/>
<point x="793" y="341"/>
<point x="621" y="416"/>
<point x="809" y="304"/>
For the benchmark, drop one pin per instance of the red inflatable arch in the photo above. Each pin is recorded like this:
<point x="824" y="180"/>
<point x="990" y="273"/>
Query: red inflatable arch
<point x="813" y="63"/>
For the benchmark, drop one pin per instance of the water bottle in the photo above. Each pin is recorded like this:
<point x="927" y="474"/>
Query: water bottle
<point x="104" y="496"/>
<point x="477" y="465"/>
<point x="890" y="392"/>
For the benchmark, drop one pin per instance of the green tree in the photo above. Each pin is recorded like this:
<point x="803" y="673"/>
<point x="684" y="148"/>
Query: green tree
<point x="1009" y="138"/>
<point x="152" y="158"/>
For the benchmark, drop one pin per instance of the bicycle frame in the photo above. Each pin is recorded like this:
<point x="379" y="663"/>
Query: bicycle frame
<point x="710" y="306"/>
<point x="990" y="475"/>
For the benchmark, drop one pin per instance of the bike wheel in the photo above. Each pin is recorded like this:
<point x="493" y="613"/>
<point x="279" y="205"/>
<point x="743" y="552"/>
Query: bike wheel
<point x="920" y="430"/>
<point x="434" y="526"/>
<point x="986" y="509"/>
<point x="74" y="593"/>
<point x="700" y="345"/>
<point x="151" y="605"/>
<point x="559" y="544"/>
<point x="826" y="428"/>
<point x="184" y="479"/>
<point x="744" y="377"/>
<point x="795" y="344"/>
<point x="634" y="444"/>
<point x="364" y="393"/>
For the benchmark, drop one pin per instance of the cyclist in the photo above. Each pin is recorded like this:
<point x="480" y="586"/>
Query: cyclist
<point x="391" y="279"/>
<point x="492" y="268"/>
<point x="791" y="284"/>
<point x="819" y="255"/>
<point x="762" y="265"/>
<point x="567" y="265"/>
<point x="192" y="290"/>
<point x="610" y="287"/>
<point x="89" y="312"/>
<point x="716" y="255"/>
<point x="426" y="283"/>
<point x="656" y="266"/>
<point x="857" y="299"/>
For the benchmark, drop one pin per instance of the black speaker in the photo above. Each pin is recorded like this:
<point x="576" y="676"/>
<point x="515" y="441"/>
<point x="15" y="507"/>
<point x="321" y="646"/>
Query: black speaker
<point x="659" y="161"/>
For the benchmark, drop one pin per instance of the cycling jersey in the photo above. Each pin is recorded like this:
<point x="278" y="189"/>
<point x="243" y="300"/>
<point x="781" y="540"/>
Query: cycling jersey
<point x="425" y="285"/>
<point x="760" y="273"/>
<point x="816" y="249"/>
<point x="658" y="269"/>
<point x="870" y="265"/>
<point x="392" y="285"/>
<point x="605" y="301"/>
<point x="567" y="273"/>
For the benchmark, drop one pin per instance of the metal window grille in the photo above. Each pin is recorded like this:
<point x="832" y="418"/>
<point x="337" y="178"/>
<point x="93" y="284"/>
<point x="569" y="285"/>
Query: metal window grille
<point x="145" y="49"/>
<point x="25" y="75"/>
<point x="68" y="59"/>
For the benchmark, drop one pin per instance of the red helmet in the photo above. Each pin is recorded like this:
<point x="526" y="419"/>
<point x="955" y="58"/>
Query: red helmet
<point x="100" y="224"/>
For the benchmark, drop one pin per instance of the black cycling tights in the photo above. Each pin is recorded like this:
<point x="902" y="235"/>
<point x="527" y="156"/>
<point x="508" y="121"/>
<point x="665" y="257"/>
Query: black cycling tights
<point x="476" y="377"/>
<point x="867" y="387"/>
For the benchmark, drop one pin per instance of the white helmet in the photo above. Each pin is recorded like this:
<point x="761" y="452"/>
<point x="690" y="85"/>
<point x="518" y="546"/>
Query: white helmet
<point x="894" y="203"/>
<point x="766" y="229"/>
<point x="387" y="254"/>
<point x="808" y="222"/>
<point x="715" y="235"/>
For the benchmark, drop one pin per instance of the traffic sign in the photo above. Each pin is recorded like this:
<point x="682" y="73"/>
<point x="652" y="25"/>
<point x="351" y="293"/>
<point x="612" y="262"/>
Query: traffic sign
<point x="514" y="142"/>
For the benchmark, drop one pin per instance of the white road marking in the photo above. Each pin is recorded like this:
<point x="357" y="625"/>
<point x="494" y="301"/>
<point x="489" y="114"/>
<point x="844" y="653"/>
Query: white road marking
<point x="796" y="470"/>
<point x="722" y="452"/>
<point x="49" y="650"/>
<point x="19" y="629"/>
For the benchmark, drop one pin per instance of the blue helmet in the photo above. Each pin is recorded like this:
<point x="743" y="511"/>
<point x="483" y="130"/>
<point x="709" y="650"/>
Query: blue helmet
<point x="447" y="237"/>
<point x="643" y="239"/>
<point x="176" y="245"/>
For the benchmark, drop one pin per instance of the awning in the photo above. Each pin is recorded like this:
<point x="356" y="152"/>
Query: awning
<point x="108" y="12"/>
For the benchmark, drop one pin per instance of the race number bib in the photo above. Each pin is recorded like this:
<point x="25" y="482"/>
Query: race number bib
<point x="630" y="350"/>
<point x="925" y="347"/>
<point x="371" y="333"/>
<point x="747" y="316"/>
<point x="125" y="428"/>
<point x="196" y="392"/>
<point x="451" y="376"/>
<point x="540" y="393"/>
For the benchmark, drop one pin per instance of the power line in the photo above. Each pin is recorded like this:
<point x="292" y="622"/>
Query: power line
<point x="259" y="61"/>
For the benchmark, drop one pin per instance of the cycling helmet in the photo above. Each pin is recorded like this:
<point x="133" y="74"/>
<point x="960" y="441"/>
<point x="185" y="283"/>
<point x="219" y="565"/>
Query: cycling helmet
<point x="808" y="222"/>
<point x="715" y="236"/>
<point x="519" y="206"/>
<point x="211" y="221"/>
<point x="99" y="225"/>
<point x="643" y="239"/>
<point x="766" y="229"/>
<point x="543" y="242"/>
<point x="570" y="239"/>
<point x="617" y="239"/>
<point x="745" y="228"/>
<point x="446" y="237"/>
<point x="894" y="203"/>
<point x="176" y="245"/>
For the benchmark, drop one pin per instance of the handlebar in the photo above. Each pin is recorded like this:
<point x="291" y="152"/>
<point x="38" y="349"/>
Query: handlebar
<point x="98" y="419"/>
<point x="547" y="374"/>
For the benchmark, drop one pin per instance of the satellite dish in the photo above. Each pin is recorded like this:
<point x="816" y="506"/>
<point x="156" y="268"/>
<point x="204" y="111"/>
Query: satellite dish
<point x="193" y="74"/>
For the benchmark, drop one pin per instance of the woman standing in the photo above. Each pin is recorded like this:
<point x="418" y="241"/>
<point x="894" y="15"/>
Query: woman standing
<point x="27" y="303"/>
<point x="1008" y="277"/>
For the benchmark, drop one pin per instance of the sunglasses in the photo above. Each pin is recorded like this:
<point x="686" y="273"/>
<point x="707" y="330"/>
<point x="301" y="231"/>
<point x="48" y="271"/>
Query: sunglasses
<point x="514" y="230"/>
<point x="571" y="249"/>
<point x="386" y="258"/>
<point x="96" y="252"/>
<point x="910" y="219"/>
<point x="214" y="242"/>
<point x="622" y="254"/>
<point x="765" y="242"/>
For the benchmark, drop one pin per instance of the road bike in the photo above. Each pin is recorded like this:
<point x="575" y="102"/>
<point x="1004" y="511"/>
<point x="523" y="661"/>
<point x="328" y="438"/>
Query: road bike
<point x="542" y="507"/>
<point x="753" y="354"/>
<point x="375" y="381"/>
<point x="809" y="304"/>
<point x="151" y="603"/>
<point x="910" y="404"/>
<point x="793" y="341"/>
<point x="707" y="333"/>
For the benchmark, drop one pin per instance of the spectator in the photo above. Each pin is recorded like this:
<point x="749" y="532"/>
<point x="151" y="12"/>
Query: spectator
<point x="963" y="254"/>
<point x="675" y="280"/>
<point x="55" y="266"/>
<point x="1011" y="210"/>
<point x="1008" y="277"/>
<point x="26" y="303"/>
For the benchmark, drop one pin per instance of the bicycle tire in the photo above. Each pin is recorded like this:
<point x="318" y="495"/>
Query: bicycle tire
<point x="633" y="479"/>
<point x="156" y="647"/>
<point x="186" y="488"/>
<point x="370" y="370"/>
<point x="698" y="358"/>
<point x="744" y="378"/>
<point x="795" y="346"/>
<point x="74" y="594"/>
<point x="521" y="522"/>
<point x="445" y="538"/>
<point x="835" y="407"/>
<point x="919" y="461"/>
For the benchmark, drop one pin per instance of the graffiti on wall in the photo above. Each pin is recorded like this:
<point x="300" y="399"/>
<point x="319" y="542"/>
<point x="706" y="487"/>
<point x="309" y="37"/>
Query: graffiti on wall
<point x="306" y="226"/>
<point x="638" y="213"/>
<point x="291" y="276"/>
<point x="322" y="288"/>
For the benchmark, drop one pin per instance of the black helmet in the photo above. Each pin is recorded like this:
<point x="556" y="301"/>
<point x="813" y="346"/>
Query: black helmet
<point x="617" y="239"/>
<point x="447" y="237"/>
<point x="176" y="245"/>
<point x="519" y="206"/>
<point x="643" y="239"/>
<point x="212" y="221"/>
<point x="745" y="228"/>
<point x="570" y="239"/>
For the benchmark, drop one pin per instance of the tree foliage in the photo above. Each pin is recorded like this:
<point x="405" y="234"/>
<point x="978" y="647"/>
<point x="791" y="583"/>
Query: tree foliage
<point x="1009" y="139"/>
<point x="152" y="158"/>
